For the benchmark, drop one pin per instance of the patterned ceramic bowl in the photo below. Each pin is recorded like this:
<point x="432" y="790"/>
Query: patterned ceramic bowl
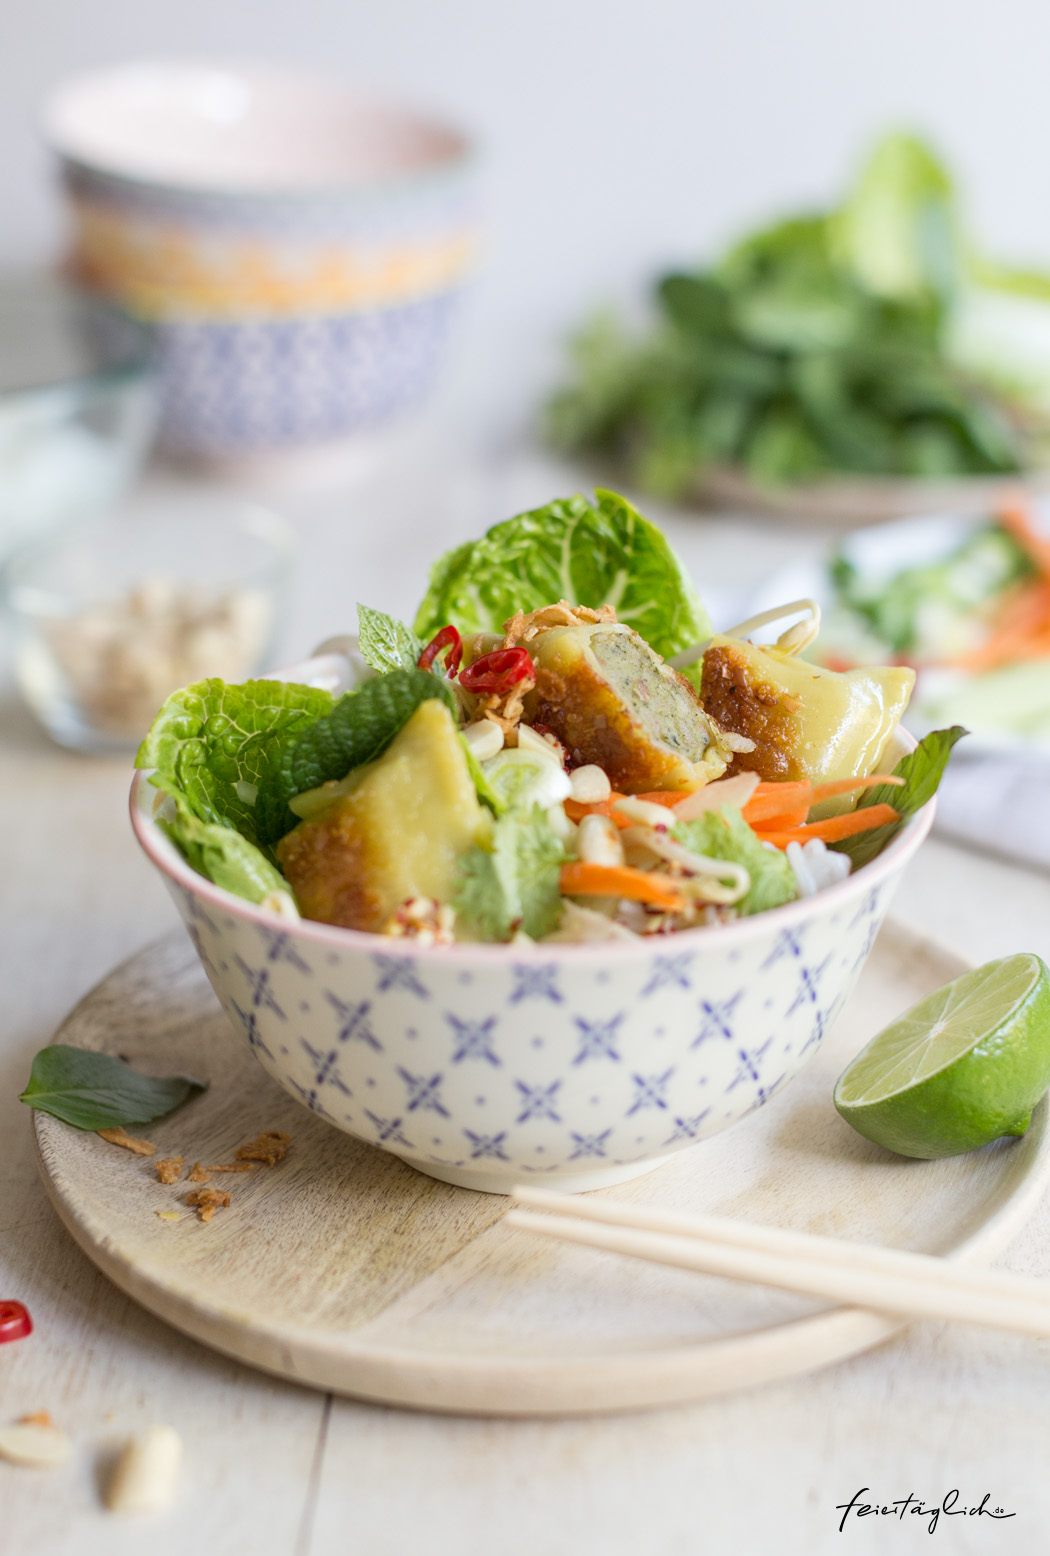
<point x="578" y="1066"/>
<point x="298" y="251"/>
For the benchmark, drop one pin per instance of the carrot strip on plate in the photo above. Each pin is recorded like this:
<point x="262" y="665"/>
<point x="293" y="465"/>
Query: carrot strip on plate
<point x="834" y="828"/>
<point x="610" y="880"/>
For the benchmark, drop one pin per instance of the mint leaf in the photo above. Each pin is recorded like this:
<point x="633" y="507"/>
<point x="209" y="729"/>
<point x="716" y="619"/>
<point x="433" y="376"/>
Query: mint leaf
<point x="724" y="834"/>
<point x="922" y="771"/>
<point x="97" y="1091"/>
<point x="222" y="855"/>
<point x="358" y="729"/>
<point x="514" y="883"/>
<point x="386" y="643"/>
<point x="587" y="553"/>
<point x="221" y="746"/>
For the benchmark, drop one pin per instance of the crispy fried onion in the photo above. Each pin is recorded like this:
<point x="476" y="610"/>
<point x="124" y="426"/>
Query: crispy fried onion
<point x="524" y="626"/>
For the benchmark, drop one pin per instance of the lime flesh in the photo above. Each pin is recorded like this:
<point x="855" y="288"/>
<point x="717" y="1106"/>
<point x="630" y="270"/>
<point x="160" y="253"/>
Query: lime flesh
<point x="965" y="1065"/>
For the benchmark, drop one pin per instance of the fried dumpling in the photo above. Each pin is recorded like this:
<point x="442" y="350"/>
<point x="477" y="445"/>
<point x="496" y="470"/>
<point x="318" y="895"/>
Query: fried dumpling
<point x="613" y="702"/>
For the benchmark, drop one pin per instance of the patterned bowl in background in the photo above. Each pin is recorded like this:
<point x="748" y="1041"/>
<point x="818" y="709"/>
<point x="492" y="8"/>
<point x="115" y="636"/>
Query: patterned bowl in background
<point x="578" y="1066"/>
<point x="299" y="251"/>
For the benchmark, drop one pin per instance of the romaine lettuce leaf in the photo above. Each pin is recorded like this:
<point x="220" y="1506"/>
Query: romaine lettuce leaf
<point x="922" y="771"/>
<point x="724" y="834"/>
<point x="514" y="883"/>
<point x="587" y="553"/>
<point x="222" y="855"/>
<point x="221" y="746"/>
<point x="386" y="643"/>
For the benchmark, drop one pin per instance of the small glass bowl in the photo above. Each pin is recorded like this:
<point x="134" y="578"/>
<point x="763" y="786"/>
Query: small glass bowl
<point x="78" y="406"/>
<point x="114" y="615"/>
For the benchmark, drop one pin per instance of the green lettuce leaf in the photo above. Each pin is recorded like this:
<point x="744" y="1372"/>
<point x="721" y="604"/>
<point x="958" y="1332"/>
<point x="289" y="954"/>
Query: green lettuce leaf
<point x="386" y="643"/>
<point x="724" y="834"/>
<point x="587" y="553"/>
<point x="97" y="1091"/>
<point x="513" y="884"/>
<point x="222" y="747"/>
<point x="222" y="855"/>
<point x="358" y="729"/>
<point x="922" y="771"/>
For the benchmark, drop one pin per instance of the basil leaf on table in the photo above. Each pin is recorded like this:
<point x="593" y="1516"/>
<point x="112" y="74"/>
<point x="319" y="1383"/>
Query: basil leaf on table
<point x="385" y="643"/>
<point x="600" y="553"/>
<point x="358" y="729"/>
<point x="222" y="747"/>
<point x="98" y="1091"/>
<point x="922" y="771"/>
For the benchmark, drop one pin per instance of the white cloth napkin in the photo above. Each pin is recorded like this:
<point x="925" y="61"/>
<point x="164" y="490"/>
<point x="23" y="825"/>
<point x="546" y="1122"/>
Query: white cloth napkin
<point x="1001" y="803"/>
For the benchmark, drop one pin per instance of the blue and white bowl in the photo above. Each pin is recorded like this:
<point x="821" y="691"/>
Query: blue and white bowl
<point x="299" y="253"/>
<point x="575" y="1066"/>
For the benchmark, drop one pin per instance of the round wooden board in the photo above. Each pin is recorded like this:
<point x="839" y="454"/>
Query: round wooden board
<point x="344" y="1269"/>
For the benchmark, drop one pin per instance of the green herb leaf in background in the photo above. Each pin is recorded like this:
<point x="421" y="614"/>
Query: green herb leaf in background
<point x="222" y="855"/>
<point x="587" y="553"/>
<point x="221" y="746"/>
<point x="386" y="643"/>
<point x="922" y="771"/>
<point x="358" y="729"/>
<point x="514" y="883"/>
<point x="724" y="834"/>
<point x="97" y="1091"/>
<point x="867" y="339"/>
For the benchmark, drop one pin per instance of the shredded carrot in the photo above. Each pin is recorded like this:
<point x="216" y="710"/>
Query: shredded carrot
<point x="577" y="809"/>
<point x="610" y="880"/>
<point x="772" y="801"/>
<point x="834" y="828"/>
<point x="1021" y="632"/>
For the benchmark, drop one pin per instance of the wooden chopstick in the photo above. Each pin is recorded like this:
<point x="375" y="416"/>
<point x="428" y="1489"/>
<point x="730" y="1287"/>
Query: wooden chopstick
<point x="888" y="1280"/>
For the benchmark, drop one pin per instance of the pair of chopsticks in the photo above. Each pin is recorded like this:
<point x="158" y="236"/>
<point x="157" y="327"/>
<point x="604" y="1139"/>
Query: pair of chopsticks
<point x="885" y="1279"/>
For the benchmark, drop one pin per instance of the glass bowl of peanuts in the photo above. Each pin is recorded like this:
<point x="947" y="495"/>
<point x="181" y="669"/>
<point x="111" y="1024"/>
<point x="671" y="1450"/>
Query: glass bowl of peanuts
<point x="111" y="616"/>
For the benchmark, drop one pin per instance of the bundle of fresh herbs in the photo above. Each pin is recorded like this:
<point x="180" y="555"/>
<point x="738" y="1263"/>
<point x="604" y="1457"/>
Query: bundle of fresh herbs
<point x="861" y="340"/>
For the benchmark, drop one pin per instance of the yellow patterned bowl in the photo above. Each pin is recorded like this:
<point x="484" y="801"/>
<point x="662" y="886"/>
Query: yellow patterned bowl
<point x="298" y="251"/>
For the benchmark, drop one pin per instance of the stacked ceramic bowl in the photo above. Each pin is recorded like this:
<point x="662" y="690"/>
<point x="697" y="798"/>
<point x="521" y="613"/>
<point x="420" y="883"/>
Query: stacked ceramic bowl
<point x="298" y="251"/>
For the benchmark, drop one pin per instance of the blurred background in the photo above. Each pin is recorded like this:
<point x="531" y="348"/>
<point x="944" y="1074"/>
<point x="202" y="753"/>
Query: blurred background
<point x="619" y="138"/>
<point x="614" y="143"/>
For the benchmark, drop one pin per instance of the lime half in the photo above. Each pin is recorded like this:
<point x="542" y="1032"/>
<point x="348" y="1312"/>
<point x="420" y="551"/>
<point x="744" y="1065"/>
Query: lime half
<point x="962" y="1067"/>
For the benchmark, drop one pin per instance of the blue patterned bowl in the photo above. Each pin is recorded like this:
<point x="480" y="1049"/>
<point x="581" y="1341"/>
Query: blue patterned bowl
<point x="576" y="1066"/>
<point x="299" y="253"/>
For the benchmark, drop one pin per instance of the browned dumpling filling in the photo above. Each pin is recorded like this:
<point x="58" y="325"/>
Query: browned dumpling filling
<point x="613" y="702"/>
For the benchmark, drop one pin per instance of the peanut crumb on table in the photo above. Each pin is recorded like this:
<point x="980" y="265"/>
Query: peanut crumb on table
<point x="120" y="1136"/>
<point x="167" y="1215"/>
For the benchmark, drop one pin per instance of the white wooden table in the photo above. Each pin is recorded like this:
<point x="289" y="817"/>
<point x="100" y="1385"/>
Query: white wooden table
<point x="276" y="1469"/>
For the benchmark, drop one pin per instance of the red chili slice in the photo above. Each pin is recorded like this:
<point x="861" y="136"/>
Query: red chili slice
<point x="448" y="638"/>
<point x="15" y="1322"/>
<point x="499" y="671"/>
